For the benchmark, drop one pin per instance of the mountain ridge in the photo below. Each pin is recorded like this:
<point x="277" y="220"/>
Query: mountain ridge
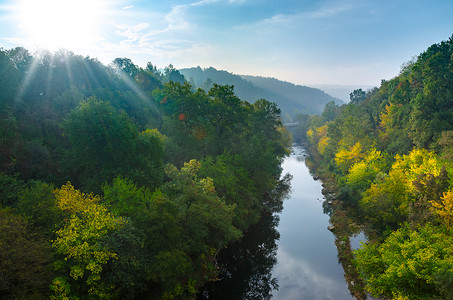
<point x="290" y="98"/>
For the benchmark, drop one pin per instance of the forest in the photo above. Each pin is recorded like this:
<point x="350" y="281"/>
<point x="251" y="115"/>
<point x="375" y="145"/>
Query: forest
<point x="290" y="98"/>
<point x="122" y="182"/>
<point x="389" y="153"/>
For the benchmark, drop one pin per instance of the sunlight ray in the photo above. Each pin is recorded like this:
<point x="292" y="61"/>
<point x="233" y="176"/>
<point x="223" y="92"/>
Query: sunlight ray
<point x="88" y="69"/>
<point x="133" y="86"/>
<point x="68" y="67"/>
<point x="27" y="80"/>
<point x="48" y="59"/>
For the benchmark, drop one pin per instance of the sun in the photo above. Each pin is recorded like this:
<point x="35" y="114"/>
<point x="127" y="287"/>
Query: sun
<point x="55" y="24"/>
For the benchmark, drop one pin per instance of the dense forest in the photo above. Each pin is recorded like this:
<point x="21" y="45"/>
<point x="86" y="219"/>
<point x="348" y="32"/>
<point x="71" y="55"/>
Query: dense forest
<point x="121" y="182"/>
<point x="290" y="98"/>
<point x="389" y="154"/>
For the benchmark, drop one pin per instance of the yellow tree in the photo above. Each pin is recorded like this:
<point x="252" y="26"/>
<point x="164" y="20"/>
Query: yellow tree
<point x="417" y="163"/>
<point x="363" y="173"/>
<point x="79" y="240"/>
<point x="444" y="208"/>
<point x="323" y="139"/>
<point x="387" y="202"/>
<point x="345" y="158"/>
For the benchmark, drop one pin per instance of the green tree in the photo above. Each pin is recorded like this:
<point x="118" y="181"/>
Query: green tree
<point x="126" y="66"/>
<point x="410" y="264"/>
<point x="38" y="204"/>
<point x="105" y="144"/>
<point x="357" y="96"/>
<point x="25" y="259"/>
<point x="173" y="75"/>
<point x="233" y="183"/>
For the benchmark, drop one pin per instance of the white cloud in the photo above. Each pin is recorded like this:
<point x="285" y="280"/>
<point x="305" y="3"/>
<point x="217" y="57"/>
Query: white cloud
<point x="202" y="2"/>
<point x="296" y="276"/>
<point x="167" y="36"/>
<point x="132" y="33"/>
<point x="237" y="1"/>
<point x="329" y="11"/>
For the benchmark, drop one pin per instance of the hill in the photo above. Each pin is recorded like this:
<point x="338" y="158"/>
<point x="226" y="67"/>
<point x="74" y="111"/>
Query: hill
<point x="290" y="98"/>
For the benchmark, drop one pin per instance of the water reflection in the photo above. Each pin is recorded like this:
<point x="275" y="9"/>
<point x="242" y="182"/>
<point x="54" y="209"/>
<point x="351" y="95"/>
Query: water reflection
<point x="246" y="266"/>
<point x="300" y="280"/>
<point x="308" y="266"/>
<point x="305" y="266"/>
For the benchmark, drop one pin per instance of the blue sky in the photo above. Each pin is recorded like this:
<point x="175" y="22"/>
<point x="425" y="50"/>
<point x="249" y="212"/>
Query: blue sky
<point x="350" y="42"/>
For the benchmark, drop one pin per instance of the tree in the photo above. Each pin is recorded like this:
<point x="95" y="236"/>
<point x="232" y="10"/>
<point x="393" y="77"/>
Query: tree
<point x="410" y="264"/>
<point x="126" y="66"/>
<point x="444" y="209"/>
<point x="38" y="204"/>
<point x="388" y="201"/>
<point x="363" y="173"/>
<point x="79" y="240"/>
<point x="208" y="218"/>
<point x="346" y="158"/>
<point x="225" y="111"/>
<point x="233" y="183"/>
<point x="153" y="69"/>
<point x="357" y="96"/>
<point x="173" y="75"/>
<point x="25" y="259"/>
<point x="105" y="144"/>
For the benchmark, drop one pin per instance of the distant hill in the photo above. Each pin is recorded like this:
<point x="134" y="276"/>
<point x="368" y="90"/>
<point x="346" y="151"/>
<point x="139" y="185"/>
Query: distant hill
<point x="290" y="98"/>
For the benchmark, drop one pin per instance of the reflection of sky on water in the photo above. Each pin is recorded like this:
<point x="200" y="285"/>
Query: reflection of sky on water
<point x="298" y="280"/>
<point x="307" y="266"/>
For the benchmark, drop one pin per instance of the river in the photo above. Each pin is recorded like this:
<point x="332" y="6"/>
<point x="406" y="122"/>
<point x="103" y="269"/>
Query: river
<point x="307" y="264"/>
<point x="292" y="249"/>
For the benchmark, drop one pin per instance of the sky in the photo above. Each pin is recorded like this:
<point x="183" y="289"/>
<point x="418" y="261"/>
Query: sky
<point x="347" y="42"/>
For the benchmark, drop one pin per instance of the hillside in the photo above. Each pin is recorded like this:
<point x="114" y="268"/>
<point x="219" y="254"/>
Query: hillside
<point x="290" y="98"/>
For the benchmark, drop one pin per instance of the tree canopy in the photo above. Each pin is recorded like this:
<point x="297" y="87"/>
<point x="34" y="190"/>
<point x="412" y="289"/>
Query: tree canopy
<point x="389" y="151"/>
<point x="118" y="182"/>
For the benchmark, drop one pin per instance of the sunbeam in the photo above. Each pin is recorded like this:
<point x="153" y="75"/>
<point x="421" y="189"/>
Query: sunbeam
<point x="27" y="80"/>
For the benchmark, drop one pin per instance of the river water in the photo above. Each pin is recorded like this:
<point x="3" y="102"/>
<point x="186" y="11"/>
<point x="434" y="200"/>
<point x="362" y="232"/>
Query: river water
<point x="293" y="248"/>
<point x="307" y="265"/>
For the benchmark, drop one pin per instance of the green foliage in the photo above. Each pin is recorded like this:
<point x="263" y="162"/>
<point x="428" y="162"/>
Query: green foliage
<point x="390" y="152"/>
<point x="207" y="217"/>
<point x="105" y="144"/>
<point x="357" y="96"/>
<point x="363" y="173"/>
<point x="232" y="182"/>
<point x="409" y="264"/>
<point x="180" y="229"/>
<point x="156" y="232"/>
<point x="38" y="204"/>
<point x="10" y="187"/>
<point x="25" y="260"/>
<point x="388" y="201"/>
